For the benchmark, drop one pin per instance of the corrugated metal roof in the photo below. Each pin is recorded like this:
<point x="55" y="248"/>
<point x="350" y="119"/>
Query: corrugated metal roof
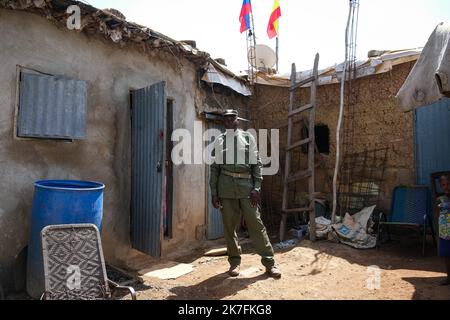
<point x="373" y="65"/>
<point x="214" y="75"/>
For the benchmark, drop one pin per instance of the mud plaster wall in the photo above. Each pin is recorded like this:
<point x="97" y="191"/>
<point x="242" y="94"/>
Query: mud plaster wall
<point x="377" y="122"/>
<point x="110" y="72"/>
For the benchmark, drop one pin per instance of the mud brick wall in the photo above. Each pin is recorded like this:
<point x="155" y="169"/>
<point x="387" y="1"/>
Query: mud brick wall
<point x="378" y="122"/>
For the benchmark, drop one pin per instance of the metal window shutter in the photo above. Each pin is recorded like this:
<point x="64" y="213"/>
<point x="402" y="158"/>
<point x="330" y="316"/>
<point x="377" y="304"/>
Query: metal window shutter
<point x="52" y="107"/>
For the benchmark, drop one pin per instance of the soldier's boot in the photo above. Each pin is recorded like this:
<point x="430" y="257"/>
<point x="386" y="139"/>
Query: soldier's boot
<point x="273" y="272"/>
<point x="234" y="271"/>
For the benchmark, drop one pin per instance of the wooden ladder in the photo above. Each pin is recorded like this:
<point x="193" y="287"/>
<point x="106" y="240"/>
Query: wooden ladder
<point x="310" y="141"/>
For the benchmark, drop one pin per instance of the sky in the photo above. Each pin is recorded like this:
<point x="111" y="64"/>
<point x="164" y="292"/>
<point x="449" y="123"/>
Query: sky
<point x="305" y="27"/>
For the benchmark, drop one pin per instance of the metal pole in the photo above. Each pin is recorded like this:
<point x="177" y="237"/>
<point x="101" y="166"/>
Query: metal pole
<point x="341" y="113"/>
<point x="277" y="43"/>
<point x="277" y="53"/>
<point x="251" y="42"/>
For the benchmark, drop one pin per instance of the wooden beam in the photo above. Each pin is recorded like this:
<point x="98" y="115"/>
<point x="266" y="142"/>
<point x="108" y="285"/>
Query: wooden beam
<point x="302" y="83"/>
<point x="297" y="210"/>
<point x="301" y="109"/>
<point x="298" y="144"/>
<point x="283" y="226"/>
<point x="311" y="150"/>
<point x="300" y="175"/>
<point x="287" y="167"/>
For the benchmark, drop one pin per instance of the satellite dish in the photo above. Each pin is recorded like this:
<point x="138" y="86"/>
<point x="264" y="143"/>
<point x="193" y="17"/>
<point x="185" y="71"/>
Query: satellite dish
<point x="265" y="56"/>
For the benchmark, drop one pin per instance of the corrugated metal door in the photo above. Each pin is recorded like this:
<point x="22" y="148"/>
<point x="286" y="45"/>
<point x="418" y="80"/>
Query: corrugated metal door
<point x="148" y="149"/>
<point x="432" y="139"/>
<point x="215" y="224"/>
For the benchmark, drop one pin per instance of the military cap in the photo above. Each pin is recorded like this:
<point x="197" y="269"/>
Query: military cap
<point x="230" y="112"/>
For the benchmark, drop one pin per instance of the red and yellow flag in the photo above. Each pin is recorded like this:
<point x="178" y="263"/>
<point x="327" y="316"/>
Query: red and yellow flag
<point x="272" y="28"/>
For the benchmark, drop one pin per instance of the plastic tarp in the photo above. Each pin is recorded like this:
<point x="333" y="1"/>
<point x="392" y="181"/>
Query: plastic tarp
<point x="429" y="80"/>
<point x="214" y="75"/>
<point x="351" y="231"/>
<point x="323" y="227"/>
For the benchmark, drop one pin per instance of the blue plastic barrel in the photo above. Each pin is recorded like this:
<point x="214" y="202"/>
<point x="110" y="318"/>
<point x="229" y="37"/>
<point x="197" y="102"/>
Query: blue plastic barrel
<point x="59" y="202"/>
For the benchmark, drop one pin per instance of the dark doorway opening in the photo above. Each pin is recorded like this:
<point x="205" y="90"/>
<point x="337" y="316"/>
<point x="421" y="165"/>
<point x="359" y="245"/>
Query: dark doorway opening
<point x="322" y="137"/>
<point x="322" y="133"/>
<point x="168" y="211"/>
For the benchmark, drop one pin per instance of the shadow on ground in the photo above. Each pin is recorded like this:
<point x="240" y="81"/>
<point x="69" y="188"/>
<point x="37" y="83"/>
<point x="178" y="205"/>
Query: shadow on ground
<point x="402" y="253"/>
<point x="429" y="288"/>
<point x="216" y="287"/>
<point x="399" y="253"/>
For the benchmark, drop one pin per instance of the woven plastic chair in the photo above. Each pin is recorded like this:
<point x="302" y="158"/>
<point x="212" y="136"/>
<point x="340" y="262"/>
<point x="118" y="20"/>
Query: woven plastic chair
<point x="411" y="208"/>
<point x="74" y="266"/>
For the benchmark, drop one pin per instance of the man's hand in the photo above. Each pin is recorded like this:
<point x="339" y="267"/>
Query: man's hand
<point x="255" y="198"/>
<point x="216" y="202"/>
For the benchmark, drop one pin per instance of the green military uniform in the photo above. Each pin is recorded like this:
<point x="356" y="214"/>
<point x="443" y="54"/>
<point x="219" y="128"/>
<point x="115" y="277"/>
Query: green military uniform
<point x="232" y="184"/>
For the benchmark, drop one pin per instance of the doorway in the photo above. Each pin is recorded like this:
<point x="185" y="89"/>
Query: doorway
<point x="148" y="151"/>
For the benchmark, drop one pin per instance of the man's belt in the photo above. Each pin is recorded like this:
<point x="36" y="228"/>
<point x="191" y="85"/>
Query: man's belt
<point x="237" y="175"/>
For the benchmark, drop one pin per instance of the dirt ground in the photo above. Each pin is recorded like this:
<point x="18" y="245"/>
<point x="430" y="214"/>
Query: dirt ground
<point x="320" y="270"/>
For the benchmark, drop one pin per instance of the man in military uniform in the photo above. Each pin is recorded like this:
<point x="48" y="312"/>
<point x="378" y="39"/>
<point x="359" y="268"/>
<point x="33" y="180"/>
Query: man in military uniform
<point x="235" y="187"/>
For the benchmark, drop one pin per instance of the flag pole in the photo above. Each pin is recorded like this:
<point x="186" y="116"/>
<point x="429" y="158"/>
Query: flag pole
<point x="277" y="40"/>
<point x="277" y="47"/>
<point x="251" y="42"/>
